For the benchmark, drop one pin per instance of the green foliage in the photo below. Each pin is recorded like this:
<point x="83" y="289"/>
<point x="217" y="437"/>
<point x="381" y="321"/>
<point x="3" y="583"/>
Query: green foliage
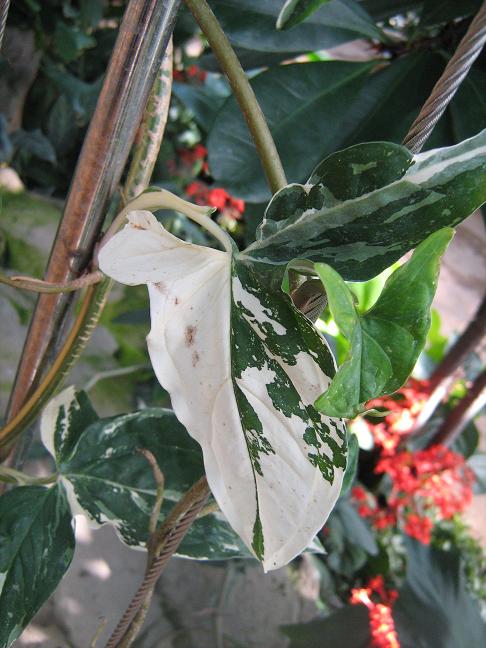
<point x="295" y="11"/>
<point x="434" y="607"/>
<point x="36" y="548"/>
<point x="386" y="341"/>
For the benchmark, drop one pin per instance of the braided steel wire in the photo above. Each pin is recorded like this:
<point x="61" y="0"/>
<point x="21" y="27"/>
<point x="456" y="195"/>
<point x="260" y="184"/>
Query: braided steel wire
<point x="4" y="6"/>
<point x="456" y="70"/>
<point x="172" y="541"/>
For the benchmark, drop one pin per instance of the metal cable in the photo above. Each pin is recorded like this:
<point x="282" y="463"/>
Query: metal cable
<point x="4" y="6"/>
<point x="173" y="539"/>
<point x="456" y="70"/>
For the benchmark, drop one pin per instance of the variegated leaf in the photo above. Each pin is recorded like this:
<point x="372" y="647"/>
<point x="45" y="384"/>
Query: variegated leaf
<point x="108" y="481"/>
<point x="366" y="206"/>
<point x="243" y="368"/>
<point x="36" y="549"/>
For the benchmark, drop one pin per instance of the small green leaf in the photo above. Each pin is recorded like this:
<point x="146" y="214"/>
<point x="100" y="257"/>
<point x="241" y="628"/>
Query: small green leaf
<point x="387" y="340"/>
<point x="295" y="11"/>
<point x="36" y="548"/>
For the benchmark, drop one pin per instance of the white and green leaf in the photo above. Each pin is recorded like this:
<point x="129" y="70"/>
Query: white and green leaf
<point x="36" y="549"/>
<point x="366" y="206"/>
<point x="385" y="342"/>
<point x="243" y="368"/>
<point x="109" y="481"/>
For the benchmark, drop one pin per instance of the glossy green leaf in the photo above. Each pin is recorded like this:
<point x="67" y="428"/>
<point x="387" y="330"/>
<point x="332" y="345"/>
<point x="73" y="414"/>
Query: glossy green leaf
<point x="251" y="24"/>
<point x="361" y="236"/>
<point x="314" y="100"/>
<point x="243" y="368"/>
<point x="36" y="548"/>
<point x="434" y="607"/>
<point x="386" y="341"/>
<point x="295" y="11"/>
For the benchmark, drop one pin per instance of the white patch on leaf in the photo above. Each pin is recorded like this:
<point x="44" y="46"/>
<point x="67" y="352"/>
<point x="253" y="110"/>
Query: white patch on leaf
<point x="190" y="348"/>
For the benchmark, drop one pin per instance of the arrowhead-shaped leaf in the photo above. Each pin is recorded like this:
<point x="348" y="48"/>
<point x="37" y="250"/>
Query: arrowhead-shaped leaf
<point x="243" y="368"/>
<point x="386" y="341"/>
<point x="366" y="206"/>
<point x="109" y="481"/>
<point x="36" y="548"/>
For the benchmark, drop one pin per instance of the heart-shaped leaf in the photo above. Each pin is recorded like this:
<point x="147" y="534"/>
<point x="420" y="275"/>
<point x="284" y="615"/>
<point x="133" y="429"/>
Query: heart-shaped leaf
<point x="386" y="341"/>
<point x="366" y="206"/>
<point x="109" y="481"/>
<point x="36" y="548"/>
<point x="243" y="368"/>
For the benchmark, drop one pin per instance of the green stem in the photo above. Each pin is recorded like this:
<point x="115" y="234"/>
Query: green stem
<point x="243" y="92"/>
<point x="12" y="476"/>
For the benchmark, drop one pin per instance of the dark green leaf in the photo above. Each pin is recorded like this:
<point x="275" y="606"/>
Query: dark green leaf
<point x="437" y="12"/>
<point x="90" y="13"/>
<point x="347" y="628"/>
<point x="251" y="24"/>
<point x="380" y="9"/>
<point x="356" y="530"/>
<point x="313" y="100"/>
<point x="387" y="340"/>
<point x="81" y="95"/>
<point x="295" y="11"/>
<point x="33" y="144"/>
<point x="62" y="127"/>
<point x="361" y="237"/>
<point x="204" y="102"/>
<point x="467" y="442"/>
<point x="70" y="42"/>
<point x="478" y="465"/>
<point x="352" y="464"/>
<point x="36" y="548"/>
<point x="343" y="106"/>
<point x="434" y="607"/>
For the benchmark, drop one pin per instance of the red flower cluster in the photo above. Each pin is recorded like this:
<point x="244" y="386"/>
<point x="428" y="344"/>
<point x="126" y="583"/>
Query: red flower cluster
<point x="202" y="194"/>
<point x="382" y="627"/>
<point x="404" y="408"/>
<point x="427" y="486"/>
<point x="191" y="73"/>
<point x="433" y="483"/>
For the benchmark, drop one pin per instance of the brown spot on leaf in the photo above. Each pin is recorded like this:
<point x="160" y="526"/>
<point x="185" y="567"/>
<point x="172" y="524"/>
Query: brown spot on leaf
<point x="190" y="334"/>
<point x="195" y="358"/>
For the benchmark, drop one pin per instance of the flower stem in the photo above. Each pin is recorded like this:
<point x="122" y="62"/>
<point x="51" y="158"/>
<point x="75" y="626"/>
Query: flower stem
<point x="243" y="92"/>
